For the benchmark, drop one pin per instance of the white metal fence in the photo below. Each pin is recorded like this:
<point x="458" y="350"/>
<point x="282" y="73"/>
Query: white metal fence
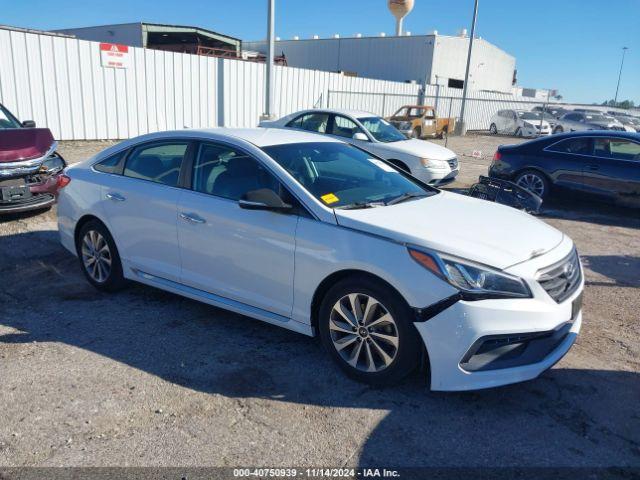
<point x="60" y="83"/>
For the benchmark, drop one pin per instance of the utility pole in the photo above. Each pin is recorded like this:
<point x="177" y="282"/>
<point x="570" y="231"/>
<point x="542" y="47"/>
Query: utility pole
<point x="463" y="126"/>
<point x="268" y="112"/>
<point x="624" y="51"/>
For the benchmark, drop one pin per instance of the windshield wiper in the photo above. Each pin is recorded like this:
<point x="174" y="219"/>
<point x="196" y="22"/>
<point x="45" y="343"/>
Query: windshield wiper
<point x="406" y="196"/>
<point x="359" y="205"/>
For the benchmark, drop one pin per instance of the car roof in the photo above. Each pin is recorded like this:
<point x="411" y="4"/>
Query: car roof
<point x="342" y="111"/>
<point x="261" y="137"/>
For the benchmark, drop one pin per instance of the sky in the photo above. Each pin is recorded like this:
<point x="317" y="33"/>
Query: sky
<point x="574" y="46"/>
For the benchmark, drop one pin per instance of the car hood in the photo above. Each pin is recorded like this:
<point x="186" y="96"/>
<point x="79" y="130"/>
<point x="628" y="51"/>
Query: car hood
<point x="478" y="230"/>
<point x="418" y="148"/>
<point x="24" y="143"/>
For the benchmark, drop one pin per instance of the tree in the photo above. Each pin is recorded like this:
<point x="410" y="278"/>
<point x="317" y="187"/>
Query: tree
<point x="626" y="104"/>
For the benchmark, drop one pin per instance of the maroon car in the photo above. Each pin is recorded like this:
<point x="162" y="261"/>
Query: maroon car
<point x="30" y="167"/>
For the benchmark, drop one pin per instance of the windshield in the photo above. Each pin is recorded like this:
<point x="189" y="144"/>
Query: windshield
<point x="7" y="120"/>
<point x="341" y="175"/>
<point x="382" y="130"/>
<point x="529" y="115"/>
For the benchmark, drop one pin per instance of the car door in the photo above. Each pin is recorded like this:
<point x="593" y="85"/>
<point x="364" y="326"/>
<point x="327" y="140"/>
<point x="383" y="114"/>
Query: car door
<point x="512" y="122"/>
<point x="140" y="206"/>
<point x="564" y="161"/>
<point x="316" y="122"/>
<point x="343" y="128"/>
<point x="243" y="255"/>
<point x="614" y="169"/>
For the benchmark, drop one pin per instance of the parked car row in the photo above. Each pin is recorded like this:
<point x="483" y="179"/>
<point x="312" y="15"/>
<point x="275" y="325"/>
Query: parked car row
<point x="550" y="120"/>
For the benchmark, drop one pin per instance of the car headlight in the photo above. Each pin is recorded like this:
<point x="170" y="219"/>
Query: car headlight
<point x="474" y="281"/>
<point x="428" y="162"/>
<point x="52" y="165"/>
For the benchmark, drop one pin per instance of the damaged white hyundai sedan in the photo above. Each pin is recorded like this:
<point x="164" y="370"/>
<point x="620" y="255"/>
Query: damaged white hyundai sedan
<point x="318" y="236"/>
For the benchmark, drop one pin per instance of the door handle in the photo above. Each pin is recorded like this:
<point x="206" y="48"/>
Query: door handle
<point x="116" y="197"/>
<point x="192" y="218"/>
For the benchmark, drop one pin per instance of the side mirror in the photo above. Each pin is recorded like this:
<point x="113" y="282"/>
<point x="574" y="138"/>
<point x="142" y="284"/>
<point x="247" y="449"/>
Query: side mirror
<point x="29" y="124"/>
<point x="263" y="199"/>
<point x="360" y="136"/>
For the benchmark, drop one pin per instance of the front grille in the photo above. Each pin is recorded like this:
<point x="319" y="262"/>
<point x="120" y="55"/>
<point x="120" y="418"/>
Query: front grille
<point x="453" y="163"/>
<point x="562" y="279"/>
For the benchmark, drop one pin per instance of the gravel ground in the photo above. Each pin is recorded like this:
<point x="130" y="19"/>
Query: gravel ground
<point x="147" y="378"/>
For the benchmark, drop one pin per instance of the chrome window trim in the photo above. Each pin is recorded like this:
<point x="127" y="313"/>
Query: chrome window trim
<point x="546" y="149"/>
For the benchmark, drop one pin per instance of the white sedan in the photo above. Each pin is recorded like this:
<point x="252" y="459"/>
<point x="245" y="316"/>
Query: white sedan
<point x="431" y="163"/>
<point x="520" y="123"/>
<point x="314" y="235"/>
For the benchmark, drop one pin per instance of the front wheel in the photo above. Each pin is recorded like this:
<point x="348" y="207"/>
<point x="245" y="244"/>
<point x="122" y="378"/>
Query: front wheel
<point x="518" y="132"/>
<point x="533" y="181"/>
<point x="558" y="130"/>
<point x="368" y="331"/>
<point x="416" y="133"/>
<point x="493" y="130"/>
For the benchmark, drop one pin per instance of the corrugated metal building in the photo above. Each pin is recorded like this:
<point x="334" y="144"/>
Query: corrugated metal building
<point x="432" y="59"/>
<point x="174" y="38"/>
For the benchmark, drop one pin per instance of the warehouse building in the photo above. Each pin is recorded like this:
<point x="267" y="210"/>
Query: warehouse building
<point x="433" y="59"/>
<point x="175" y="38"/>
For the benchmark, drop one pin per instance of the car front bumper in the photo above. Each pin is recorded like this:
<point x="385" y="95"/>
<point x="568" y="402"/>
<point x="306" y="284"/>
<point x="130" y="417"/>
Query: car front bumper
<point x="488" y="343"/>
<point x="437" y="177"/>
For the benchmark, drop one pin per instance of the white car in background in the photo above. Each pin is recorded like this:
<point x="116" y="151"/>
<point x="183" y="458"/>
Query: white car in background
<point x="312" y="234"/>
<point x="428" y="162"/>
<point x="520" y="123"/>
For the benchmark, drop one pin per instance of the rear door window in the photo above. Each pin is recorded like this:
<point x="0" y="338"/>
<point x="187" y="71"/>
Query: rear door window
<point x="158" y="163"/>
<point x="111" y="164"/>
<point x="575" y="146"/>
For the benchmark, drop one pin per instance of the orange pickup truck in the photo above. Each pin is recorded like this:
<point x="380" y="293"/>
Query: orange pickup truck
<point x="420" y="121"/>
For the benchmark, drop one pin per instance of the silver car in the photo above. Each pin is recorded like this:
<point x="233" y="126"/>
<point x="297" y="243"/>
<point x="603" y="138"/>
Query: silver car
<point x="580" y="121"/>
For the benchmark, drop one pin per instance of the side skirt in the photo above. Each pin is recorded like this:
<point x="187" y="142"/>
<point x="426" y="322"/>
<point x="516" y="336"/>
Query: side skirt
<point x="222" y="302"/>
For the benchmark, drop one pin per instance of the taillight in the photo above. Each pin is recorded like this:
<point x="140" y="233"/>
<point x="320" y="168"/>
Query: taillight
<point x="63" y="180"/>
<point x="497" y="156"/>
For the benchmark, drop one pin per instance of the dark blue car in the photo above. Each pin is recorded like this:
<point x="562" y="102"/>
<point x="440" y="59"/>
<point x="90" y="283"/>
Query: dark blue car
<point x="602" y="163"/>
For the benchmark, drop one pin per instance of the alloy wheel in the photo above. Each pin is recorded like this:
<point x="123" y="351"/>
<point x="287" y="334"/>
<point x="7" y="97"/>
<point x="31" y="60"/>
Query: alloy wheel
<point x="531" y="182"/>
<point x="363" y="332"/>
<point x="96" y="256"/>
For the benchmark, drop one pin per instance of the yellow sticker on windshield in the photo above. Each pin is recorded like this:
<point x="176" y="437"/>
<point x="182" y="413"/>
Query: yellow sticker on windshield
<point x="329" y="198"/>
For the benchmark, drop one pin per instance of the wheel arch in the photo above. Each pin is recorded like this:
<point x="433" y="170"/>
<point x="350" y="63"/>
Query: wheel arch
<point x="82" y="222"/>
<point x="336" y="277"/>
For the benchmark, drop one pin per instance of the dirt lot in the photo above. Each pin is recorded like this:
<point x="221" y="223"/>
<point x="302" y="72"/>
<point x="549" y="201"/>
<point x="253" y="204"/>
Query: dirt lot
<point x="146" y="378"/>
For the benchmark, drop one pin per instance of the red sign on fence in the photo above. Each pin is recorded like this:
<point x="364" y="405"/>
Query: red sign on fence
<point x="113" y="55"/>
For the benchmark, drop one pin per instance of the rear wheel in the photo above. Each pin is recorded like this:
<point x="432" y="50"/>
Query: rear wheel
<point x="533" y="181"/>
<point x="99" y="257"/>
<point x="368" y="331"/>
<point x="493" y="130"/>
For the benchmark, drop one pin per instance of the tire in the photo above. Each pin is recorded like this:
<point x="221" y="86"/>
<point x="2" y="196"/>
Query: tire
<point x="444" y="133"/>
<point x="493" y="130"/>
<point x="535" y="182"/>
<point x="400" y="345"/>
<point x="99" y="257"/>
<point x="416" y="133"/>
<point x="557" y="130"/>
<point x="518" y="132"/>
